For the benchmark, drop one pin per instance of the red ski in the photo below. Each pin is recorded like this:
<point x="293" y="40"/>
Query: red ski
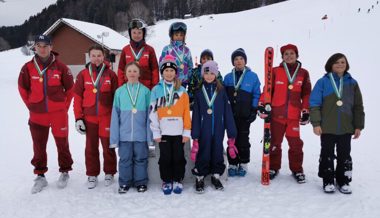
<point x="267" y="104"/>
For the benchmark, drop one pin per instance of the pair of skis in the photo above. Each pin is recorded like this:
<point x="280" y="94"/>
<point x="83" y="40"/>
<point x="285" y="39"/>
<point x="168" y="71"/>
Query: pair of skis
<point x="267" y="92"/>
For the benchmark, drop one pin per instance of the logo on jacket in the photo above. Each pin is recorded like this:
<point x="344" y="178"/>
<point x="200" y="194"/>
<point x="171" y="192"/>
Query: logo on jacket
<point x="107" y="81"/>
<point x="280" y="82"/>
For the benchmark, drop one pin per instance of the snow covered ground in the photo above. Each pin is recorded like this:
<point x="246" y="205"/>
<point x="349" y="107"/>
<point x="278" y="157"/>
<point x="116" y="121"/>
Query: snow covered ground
<point x="295" y="21"/>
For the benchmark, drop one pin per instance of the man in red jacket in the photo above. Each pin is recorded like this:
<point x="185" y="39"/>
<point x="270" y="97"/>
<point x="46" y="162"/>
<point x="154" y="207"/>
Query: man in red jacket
<point x="45" y="85"/>
<point x="290" y="108"/>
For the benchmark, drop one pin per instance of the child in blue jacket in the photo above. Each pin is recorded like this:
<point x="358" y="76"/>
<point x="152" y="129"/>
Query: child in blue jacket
<point x="212" y="115"/>
<point x="130" y="130"/>
<point x="243" y="91"/>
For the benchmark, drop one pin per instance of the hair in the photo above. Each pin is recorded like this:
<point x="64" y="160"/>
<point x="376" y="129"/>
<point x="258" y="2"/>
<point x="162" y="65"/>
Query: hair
<point x="130" y="64"/>
<point x="96" y="47"/>
<point x="219" y="85"/>
<point x="177" y="84"/>
<point x="334" y="58"/>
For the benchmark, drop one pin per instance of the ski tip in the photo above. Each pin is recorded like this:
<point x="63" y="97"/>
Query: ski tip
<point x="269" y="48"/>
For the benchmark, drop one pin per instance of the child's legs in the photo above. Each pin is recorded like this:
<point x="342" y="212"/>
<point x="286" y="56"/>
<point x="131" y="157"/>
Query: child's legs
<point x="125" y="163"/>
<point x="295" y="153"/>
<point x="326" y="158"/>
<point x="242" y="143"/>
<point x="277" y="128"/>
<point x="165" y="161"/>
<point x="344" y="161"/>
<point x="140" y="163"/>
<point x="217" y="159"/>
<point x="179" y="161"/>
<point x="202" y="163"/>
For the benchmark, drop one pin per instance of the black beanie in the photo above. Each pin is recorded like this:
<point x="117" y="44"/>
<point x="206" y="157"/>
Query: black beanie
<point x="238" y="52"/>
<point x="207" y="52"/>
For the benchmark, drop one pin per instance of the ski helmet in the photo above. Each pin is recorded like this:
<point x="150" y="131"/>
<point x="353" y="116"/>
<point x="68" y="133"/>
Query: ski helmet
<point x="139" y="24"/>
<point x="177" y="26"/>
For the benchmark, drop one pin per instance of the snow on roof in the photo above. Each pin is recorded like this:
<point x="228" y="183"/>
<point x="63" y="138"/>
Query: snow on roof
<point x="112" y="40"/>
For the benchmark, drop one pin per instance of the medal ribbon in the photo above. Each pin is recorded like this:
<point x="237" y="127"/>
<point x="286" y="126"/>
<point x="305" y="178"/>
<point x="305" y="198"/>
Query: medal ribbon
<point x="209" y="102"/>
<point x="291" y="79"/>
<point x="181" y="58"/>
<point x="41" y="72"/>
<point x="169" y="100"/>
<point x="130" y="94"/>
<point x="99" y="75"/>
<point x="240" y="79"/>
<point x="338" y="92"/>
<point x="139" y="54"/>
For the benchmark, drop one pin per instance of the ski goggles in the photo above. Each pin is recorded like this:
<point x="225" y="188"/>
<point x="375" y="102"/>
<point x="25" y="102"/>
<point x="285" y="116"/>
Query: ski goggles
<point x="178" y="26"/>
<point x="136" y="23"/>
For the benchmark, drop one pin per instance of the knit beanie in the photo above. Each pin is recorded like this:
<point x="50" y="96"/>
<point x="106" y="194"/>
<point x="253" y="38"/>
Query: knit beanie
<point x="289" y="46"/>
<point x="207" y="52"/>
<point x="238" y="52"/>
<point x="210" y="66"/>
<point x="168" y="61"/>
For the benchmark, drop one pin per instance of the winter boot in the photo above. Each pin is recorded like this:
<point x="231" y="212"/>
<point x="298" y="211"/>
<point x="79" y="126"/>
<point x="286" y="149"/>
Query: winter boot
<point x="141" y="188"/>
<point x="199" y="185"/>
<point x="63" y="180"/>
<point x="345" y="189"/>
<point x="300" y="177"/>
<point x="92" y="181"/>
<point x="328" y="185"/>
<point x="232" y="170"/>
<point x="167" y="188"/>
<point x="273" y="174"/>
<point x="177" y="187"/>
<point x="123" y="189"/>
<point x="108" y="180"/>
<point x="215" y="180"/>
<point x="243" y="169"/>
<point x="39" y="183"/>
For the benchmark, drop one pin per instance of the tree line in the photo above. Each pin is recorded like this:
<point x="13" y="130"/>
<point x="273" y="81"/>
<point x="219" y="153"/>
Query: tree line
<point x="117" y="13"/>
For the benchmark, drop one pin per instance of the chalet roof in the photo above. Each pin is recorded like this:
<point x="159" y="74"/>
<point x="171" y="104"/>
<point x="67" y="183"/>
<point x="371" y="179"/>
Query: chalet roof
<point x="113" y="40"/>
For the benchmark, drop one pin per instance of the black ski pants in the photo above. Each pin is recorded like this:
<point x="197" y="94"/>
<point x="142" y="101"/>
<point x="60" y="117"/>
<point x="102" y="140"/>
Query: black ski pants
<point x="241" y="142"/>
<point x="172" y="159"/>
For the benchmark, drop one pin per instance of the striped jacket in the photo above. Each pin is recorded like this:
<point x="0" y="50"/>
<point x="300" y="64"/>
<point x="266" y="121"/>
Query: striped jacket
<point x="174" y="120"/>
<point x="126" y="125"/>
<point x="332" y="118"/>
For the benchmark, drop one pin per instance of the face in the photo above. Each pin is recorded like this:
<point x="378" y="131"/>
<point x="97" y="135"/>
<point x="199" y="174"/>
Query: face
<point x="169" y="74"/>
<point x="43" y="50"/>
<point x="339" y="66"/>
<point x="178" y="36"/>
<point x="205" y="58"/>
<point x="239" y="62"/>
<point x="209" y="77"/>
<point x="289" y="56"/>
<point x="132" y="73"/>
<point x="137" y="34"/>
<point x="96" y="57"/>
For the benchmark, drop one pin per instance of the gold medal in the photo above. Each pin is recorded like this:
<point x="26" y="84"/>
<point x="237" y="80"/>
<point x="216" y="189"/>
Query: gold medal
<point x="169" y="112"/>
<point x="339" y="103"/>
<point x="235" y="94"/>
<point x="182" y="66"/>
<point x="41" y="79"/>
<point x="134" y="110"/>
<point x="137" y="62"/>
<point x="209" y="111"/>
<point x="290" y="87"/>
<point x="94" y="90"/>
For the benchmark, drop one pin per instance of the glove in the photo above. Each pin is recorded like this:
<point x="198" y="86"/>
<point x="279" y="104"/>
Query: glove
<point x="305" y="117"/>
<point x="264" y="111"/>
<point x="79" y="125"/>
<point x="194" y="150"/>
<point x="252" y="115"/>
<point x="232" y="150"/>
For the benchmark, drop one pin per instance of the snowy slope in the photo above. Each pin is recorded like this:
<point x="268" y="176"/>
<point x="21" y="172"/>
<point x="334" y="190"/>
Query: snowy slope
<point x="294" y="21"/>
<point x="10" y="10"/>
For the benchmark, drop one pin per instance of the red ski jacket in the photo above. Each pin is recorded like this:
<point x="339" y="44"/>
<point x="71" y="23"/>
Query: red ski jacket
<point x="90" y="102"/>
<point x="47" y="93"/>
<point x="288" y="103"/>
<point x="149" y="76"/>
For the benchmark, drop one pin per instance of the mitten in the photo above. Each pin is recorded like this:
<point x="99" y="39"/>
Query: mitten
<point x="232" y="150"/>
<point x="264" y="111"/>
<point x="305" y="117"/>
<point x="80" y="127"/>
<point x="194" y="150"/>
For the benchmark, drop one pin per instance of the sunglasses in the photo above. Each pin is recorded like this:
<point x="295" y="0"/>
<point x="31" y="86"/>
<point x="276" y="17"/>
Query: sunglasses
<point x="177" y="26"/>
<point x="136" y="24"/>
